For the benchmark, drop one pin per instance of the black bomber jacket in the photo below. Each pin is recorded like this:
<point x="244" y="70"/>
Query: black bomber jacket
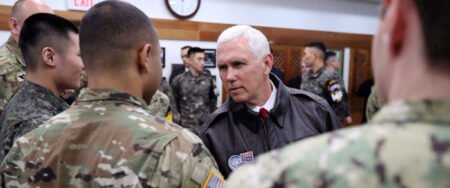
<point x="235" y="135"/>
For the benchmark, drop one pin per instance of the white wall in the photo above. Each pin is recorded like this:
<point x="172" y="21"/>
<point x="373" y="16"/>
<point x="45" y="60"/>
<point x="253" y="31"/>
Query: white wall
<point x="323" y="15"/>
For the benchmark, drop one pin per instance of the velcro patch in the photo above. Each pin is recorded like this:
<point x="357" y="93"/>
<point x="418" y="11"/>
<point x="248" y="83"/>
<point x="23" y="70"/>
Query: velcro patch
<point x="214" y="179"/>
<point x="335" y="91"/>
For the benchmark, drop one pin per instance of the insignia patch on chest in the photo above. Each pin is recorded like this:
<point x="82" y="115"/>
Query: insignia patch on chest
<point x="235" y="161"/>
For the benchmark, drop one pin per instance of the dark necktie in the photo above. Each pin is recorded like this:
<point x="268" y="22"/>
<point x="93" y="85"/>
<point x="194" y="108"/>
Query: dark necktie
<point x="263" y="113"/>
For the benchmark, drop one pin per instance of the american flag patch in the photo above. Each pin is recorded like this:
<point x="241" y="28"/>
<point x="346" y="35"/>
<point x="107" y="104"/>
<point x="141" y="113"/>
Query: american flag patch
<point x="214" y="180"/>
<point x="247" y="156"/>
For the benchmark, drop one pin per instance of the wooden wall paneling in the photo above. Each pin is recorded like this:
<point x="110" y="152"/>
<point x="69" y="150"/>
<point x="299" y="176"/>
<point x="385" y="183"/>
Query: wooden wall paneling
<point x="288" y="59"/>
<point x="5" y="11"/>
<point x="280" y="58"/>
<point x="360" y="71"/>
<point x="205" y="31"/>
<point x="295" y="57"/>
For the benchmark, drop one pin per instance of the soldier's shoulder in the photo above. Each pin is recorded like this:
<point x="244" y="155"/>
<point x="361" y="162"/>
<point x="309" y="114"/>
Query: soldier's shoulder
<point x="6" y="55"/>
<point x="330" y="75"/>
<point x="181" y="77"/>
<point x="306" y="96"/>
<point x="8" y="62"/>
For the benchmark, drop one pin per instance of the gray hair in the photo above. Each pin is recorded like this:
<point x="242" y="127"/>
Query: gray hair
<point x="256" y="39"/>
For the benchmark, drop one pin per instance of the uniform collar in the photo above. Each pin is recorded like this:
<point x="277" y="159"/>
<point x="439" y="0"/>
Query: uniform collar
<point x="88" y="94"/>
<point x="270" y="103"/>
<point x="12" y="46"/>
<point x="318" y="73"/>
<point x="427" y="111"/>
<point x="44" y="94"/>
<point x="277" y="114"/>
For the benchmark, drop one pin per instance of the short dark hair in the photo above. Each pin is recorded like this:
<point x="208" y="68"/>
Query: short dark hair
<point x="43" y="30"/>
<point x="195" y="50"/>
<point x="320" y="46"/>
<point x="329" y="55"/>
<point x="110" y="31"/>
<point x="435" y="21"/>
<point x="186" y="47"/>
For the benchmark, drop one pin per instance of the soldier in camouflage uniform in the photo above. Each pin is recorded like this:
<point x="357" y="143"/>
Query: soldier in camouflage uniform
<point x="12" y="66"/>
<point x="37" y="98"/>
<point x="195" y="92"/>
<point x="108" y="138"/>
<point x="373" y="104"/>
<point x="323" y="82"/>
<point x="159" y="104"/>
<point x="166" y="89"/>
<point x="407" y="143"/>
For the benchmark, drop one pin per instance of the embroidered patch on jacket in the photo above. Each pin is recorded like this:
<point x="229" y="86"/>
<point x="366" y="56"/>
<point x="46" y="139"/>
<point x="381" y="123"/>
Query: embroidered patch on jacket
<point x="214" y="179"/>
<point x="335" y="91"/>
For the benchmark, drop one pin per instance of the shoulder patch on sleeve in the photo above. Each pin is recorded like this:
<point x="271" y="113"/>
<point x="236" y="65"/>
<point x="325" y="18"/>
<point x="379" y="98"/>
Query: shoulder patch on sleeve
<point x="214" y="179"/>
<point x="335" y="90"/>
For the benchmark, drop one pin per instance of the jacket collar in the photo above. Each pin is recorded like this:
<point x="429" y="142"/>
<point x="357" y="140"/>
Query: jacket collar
<point x="44" y="94"/>
<point x="318" y="73"/>
<point x="277" y="114"/>
<point x="88" y="94"/>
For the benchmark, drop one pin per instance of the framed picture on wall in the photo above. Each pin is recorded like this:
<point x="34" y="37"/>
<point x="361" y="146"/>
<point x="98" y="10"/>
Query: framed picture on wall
<point x="210" y="58"/>
<point x="163" y="57"/>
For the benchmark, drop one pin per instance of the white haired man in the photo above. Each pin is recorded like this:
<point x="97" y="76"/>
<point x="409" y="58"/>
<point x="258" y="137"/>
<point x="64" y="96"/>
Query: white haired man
<point x="407" y="143"/>
<point x="261" y="114"/>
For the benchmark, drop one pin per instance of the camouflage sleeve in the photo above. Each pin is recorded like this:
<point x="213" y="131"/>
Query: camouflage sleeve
<point x="159" y="104"/>
<point x="186" y="162"/>
<point x="12" y="170"/>
<point x="213" y="94"/>
<point x="373" y="104"/>
<point x="15" y="131"/>
<point x="176" y="96"/>
<point x="8" y="85"/>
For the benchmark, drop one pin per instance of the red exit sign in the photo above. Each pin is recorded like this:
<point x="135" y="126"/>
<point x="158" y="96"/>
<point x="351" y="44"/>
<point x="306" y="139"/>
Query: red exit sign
<point x="82" y="5"/>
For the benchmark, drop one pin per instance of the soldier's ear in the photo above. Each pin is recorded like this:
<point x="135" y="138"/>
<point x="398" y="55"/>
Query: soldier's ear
<point x="12" y="24"/>
<point x="144" y="58"/>
<point x="48" y="56"/>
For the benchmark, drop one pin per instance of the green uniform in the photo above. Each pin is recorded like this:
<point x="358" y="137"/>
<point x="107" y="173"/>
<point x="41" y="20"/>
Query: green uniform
<point x="108" y="139"/>
<point x="12" y="71"/>
<point x="159" y="104"/>
<point x="196" y="98"/>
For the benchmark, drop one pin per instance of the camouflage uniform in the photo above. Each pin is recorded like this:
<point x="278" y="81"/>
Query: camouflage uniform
<point x="159" y="104"/>
<point x="407" y="144"/>
<point x="373" y="104"/>
<point x="108" y="139"/>
<point x="12" y="71"/>
<point x="328" y="85"/>
<point x="31" y="106"/>
<point x="166" y="89"/>
<point x="196" y="98"/>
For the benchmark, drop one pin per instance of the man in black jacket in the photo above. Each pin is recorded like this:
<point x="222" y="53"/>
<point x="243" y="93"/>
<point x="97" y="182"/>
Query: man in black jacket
<point x="261" y="114"/>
